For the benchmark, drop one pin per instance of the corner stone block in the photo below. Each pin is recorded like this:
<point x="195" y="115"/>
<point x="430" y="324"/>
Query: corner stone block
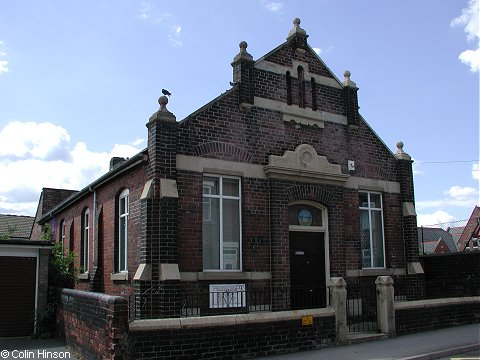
<point x="385" y="305"/>
<point x="338" y="296"/>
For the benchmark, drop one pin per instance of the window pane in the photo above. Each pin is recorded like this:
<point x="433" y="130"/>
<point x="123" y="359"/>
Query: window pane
<point x="122" y="205"/>
<point x="121" y="249"/>
<point x="231" y="235"/>
<point x="211" y="237"/>
<point x="230" y="187"/>
<point x="365" y="238"/>
<point x="375" y="201"/>
<point x="377" y="239"/>
<point x="363" y="199"/>
<point x="210" y="186"/>
<point x="295" y="214"/>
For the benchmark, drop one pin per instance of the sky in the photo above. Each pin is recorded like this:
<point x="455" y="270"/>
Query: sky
<point x="79" y="80"/>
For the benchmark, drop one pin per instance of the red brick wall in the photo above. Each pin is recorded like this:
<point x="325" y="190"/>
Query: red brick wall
<point x="105" y="244"/>
<point x="95" y="325"/>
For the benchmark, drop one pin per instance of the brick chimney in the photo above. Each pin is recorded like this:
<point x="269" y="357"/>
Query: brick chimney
<point x="162" y="145"/>
<point x="351" y="100"/>
<point x="243" y="74"/>
<point x="297" y="36"/>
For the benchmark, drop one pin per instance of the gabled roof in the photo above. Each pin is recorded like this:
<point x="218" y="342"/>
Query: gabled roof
<point x="16" y="226"/>
<point x="456" y="232"/>
<point x="472" y="229"/>
<point x="75" y="195"/>
<point x="429" y="236"/>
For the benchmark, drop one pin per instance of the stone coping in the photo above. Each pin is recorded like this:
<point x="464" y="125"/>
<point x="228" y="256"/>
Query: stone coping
<point x="228" y="320"/>
<point x="404" y="305"/>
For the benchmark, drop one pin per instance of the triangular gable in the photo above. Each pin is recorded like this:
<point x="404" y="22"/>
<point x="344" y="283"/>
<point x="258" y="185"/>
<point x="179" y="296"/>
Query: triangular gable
<point x="471" y="230"/>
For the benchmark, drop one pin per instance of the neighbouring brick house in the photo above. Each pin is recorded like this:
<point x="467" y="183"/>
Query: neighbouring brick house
<point x="277" y="184"/>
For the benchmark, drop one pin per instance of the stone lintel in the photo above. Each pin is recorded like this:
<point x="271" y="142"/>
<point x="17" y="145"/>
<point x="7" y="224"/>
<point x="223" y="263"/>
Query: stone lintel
<point x="304" y="164"/>
<point x="300" y="115"/>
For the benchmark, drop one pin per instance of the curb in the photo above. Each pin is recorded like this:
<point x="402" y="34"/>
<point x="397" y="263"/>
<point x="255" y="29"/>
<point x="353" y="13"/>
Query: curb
<point x="443" y="353"/>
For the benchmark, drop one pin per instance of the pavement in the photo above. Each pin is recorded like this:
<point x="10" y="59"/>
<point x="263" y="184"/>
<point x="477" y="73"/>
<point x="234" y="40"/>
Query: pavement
<point x="462" y="342"/>
<point x="458" y="343"/>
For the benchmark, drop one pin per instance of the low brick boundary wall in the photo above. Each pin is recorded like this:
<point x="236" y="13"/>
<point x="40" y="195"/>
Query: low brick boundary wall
<point x="232" y="336"/>
<point x="94" y="325"/>
<point x="423" y="315"/>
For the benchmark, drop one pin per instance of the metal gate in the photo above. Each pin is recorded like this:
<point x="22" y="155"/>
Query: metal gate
<point x="362" y="307"/>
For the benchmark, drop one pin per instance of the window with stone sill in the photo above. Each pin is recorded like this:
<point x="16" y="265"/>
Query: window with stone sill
<point x="221" y="223"/>
<point x="85" y="241"/>
<point x="122" y="245"/>
<point x="371" y="230"/>
<point x="62" y="230"/>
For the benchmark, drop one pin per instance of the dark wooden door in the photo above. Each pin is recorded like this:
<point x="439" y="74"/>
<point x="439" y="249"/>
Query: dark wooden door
<point x="17" y="295"/>
<point x="307" y="270"/>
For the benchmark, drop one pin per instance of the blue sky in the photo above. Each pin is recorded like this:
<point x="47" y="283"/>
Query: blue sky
<point x="79" y="80"/>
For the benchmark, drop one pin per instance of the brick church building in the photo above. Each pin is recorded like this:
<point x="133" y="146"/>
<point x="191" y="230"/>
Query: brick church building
<point x="274" y="187"/>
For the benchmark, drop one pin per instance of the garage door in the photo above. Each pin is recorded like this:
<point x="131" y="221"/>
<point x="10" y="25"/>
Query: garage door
<point x="17" y="295"/>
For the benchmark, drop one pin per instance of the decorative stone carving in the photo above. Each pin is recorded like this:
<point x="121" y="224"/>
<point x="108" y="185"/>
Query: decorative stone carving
<point x="304" y="164"/>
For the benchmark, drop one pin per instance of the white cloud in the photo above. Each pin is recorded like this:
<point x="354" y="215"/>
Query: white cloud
<point x="273" y="6"/>
<point x="455" y="196"/>
<point x="3" y="63"/>
<point x="174" y="34"/>
<point x="30" y="166"/>
<point x="148" y="13"/>
<point x="145" y="9"/>
<point x="137" y="141"/>
<point x="437" y="217"/>
<point x="469" y="19"/>
<point x="3" y="66"/>
<point x="471" y="58"/>
<point x="476" y="171"/>
<point x="461" y="193"/>
<point x="32" y="140"/>
<point x="317" y="50"/>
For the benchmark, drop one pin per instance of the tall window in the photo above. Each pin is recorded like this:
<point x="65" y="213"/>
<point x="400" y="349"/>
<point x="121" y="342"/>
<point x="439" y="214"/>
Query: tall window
<point x="222" y="235"/>
<point x="62" y="233"/>
<point x="314" y="94"/>
<point x="123" y="211"/>
<point x="301" y="87"/>
<point x="289" y="88"/>
<point x="371" y="230"/>
<point x="85" y="241"/>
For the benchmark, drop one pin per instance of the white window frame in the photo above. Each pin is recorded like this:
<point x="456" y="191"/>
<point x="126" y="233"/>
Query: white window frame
<point x="370" y="210"/>
<point x="85" y="240"/>
<point x="123" y="195"/>
<point x="221" y="197"/>
<point x="62" y="233"/>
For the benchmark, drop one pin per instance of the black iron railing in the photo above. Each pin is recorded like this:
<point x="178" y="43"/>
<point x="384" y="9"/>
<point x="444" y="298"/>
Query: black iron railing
<point x="362" y="307"/>
<point x="156" y="302"/>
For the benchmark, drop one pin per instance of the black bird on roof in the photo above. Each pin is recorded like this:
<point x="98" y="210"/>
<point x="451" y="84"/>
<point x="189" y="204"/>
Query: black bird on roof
<point x="166" y="92"/>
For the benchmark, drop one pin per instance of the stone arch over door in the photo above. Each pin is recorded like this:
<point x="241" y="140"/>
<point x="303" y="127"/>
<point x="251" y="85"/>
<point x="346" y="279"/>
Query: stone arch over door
<point x="309" y="253"/>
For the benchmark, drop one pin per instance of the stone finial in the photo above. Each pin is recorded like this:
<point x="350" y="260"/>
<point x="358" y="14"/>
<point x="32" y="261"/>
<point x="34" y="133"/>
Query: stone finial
<point x="243" y="54"/>
<point x="346" y="81"/>
<point x="401" y="155"/>
<point x="297" y="30"/>
<point x="163" y="101"/>
<point x="163" y="114"/>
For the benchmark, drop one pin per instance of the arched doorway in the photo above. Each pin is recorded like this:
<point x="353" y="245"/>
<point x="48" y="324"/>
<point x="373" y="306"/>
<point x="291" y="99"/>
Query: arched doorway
<point x="309" y="257"/>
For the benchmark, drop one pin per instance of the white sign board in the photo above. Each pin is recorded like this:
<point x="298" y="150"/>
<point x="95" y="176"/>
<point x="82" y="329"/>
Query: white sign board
<point x="227" y="295"/>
